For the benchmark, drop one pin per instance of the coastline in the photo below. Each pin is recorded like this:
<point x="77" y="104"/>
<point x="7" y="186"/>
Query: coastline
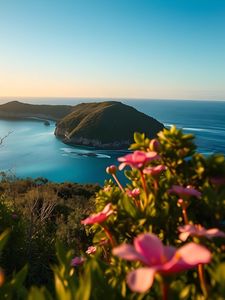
<point x="26" y="117"/>
<point x="123" y="149"/>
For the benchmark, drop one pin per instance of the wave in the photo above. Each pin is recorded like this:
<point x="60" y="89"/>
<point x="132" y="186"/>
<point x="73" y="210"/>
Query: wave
<point x="168" y="125"/>
<point x="82" y="153"/>
<point x="206" y="130"/>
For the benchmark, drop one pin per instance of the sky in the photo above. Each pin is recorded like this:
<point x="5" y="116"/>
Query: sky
<point x="157" y="49"/>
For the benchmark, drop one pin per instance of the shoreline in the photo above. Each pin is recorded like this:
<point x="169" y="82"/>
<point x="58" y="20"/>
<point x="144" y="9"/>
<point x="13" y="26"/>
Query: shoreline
<point x="43" y="120"/>
<point x="30" y="118"/>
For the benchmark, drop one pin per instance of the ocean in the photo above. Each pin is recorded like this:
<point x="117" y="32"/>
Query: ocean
<point x="32" y="150"/>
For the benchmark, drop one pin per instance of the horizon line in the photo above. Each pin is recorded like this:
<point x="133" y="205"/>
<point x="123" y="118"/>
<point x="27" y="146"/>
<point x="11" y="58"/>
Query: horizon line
<point x="122" y="98"/>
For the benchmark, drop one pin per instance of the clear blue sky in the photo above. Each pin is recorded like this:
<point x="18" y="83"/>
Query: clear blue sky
<point x="118" y="48"/>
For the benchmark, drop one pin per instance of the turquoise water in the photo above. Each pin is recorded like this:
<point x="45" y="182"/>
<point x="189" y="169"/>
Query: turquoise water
<point x="32" y="150"/>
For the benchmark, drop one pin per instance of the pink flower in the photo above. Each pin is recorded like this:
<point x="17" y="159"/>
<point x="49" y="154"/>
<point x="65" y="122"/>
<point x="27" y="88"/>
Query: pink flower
<point x="184" y="191"/>
<point x="198" y="230"/>
<point x="154" y="171"/>
<point x="158" y="258"/>
<point x="137" y="159"/>
<point x="134" y="193"/>
<point x="77" y="261"/>
<point x="91" y="250"/>
<point x="99" y="217"/>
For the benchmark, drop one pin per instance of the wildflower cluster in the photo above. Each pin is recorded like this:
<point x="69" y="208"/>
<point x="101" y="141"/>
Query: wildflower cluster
<point x="164" y="239"/>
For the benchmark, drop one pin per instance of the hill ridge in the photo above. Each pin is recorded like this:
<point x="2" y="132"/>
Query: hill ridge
<point x="108" y="125"/>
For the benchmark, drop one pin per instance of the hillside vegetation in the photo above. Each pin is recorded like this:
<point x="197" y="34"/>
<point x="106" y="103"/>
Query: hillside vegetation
<point x="38" y="212"/>
<point x="106" y="124"/>
<point x="16" y="109"/>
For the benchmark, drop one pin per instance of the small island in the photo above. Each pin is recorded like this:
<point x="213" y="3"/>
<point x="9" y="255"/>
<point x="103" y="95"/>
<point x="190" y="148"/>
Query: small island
<point x="102" y="125"/>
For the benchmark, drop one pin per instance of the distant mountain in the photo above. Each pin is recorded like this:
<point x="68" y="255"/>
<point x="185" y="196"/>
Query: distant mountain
<point x="105" y="125"/>
<point x="19" y="110"/>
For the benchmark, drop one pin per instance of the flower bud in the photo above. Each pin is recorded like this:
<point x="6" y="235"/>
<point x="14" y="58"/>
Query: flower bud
<point x="154" y="145"/>
<point x="111" y="169"/>
<point x="180" y="202"/>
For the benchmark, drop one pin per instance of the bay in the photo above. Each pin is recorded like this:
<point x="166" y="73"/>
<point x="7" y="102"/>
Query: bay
<point x="32" y="150"/>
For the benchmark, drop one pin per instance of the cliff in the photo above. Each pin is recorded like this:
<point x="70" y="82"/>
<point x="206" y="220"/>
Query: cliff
<point x="106" y="125"/>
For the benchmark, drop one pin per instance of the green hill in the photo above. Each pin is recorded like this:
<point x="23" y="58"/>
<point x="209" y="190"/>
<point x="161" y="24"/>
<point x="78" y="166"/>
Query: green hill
<point x="105" y="125"/>
<point x="18" y="110"/>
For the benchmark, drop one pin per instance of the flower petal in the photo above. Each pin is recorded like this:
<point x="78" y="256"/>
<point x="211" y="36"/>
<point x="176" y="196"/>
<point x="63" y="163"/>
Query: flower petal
<point x="187" y="257"/>
<point x="194" y="254"/>
<point x="169" y="252"/>
<point x="214" y="232"/>
<point x="128" y="252"/>
<point x="150" y="246"/>
<point x="108" y="209"/>
<point x="183" y="236"/>
<point x="122" y="166"/>
<point x="141" y="279"/>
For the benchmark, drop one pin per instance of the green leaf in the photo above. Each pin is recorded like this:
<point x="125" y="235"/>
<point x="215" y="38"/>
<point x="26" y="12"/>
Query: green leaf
<point x="61" y="287"/>
<point x="129" y="207"/>
<point x="139" y="138"/>
<point x="19" y="278"/>
<point x="60" y="252"/>
<point x="220" y="276"/>
<point x="39" y="294"/>
<point x="3" y="238"/>
<point x="84" y="290"/>
<point x="185" y="293"/>
<point x="99" y="235"/>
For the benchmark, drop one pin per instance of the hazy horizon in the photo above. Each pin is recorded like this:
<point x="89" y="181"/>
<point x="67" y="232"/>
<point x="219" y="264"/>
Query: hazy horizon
<point x="126" y="49"/>
<point x="77" y="100"/>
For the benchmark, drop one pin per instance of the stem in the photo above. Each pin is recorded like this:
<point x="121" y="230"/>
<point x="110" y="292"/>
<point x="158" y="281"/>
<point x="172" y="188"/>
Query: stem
<point x="165" y="290"/>
<point x="105" y="253"/>
<point x="185" y="216"/>
<point x="136" y="203"/>
<point x="108" y="234"/>
<point x="118" y="183"/>
<point x="144" y="186"/>
<point x="202" y="280"/>
<point x="155" y="185"/>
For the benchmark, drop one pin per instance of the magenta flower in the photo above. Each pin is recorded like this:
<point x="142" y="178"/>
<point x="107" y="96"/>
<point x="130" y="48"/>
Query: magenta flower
<point x="99" y="217"/>
<point x="158" y="258"/>
<point x="91" y="250"/>
<point x="77" y="261"/>
<point x="198" y="230"/>
<point x="154" y="171"/>
<point x="185" y="191"/>
<point x="137" y="159"/>
<point x="133" y="193"/>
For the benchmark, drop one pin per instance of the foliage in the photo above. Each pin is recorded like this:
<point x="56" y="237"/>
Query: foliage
<point x="37" y="212"/>
<point x="171" y="190"/>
